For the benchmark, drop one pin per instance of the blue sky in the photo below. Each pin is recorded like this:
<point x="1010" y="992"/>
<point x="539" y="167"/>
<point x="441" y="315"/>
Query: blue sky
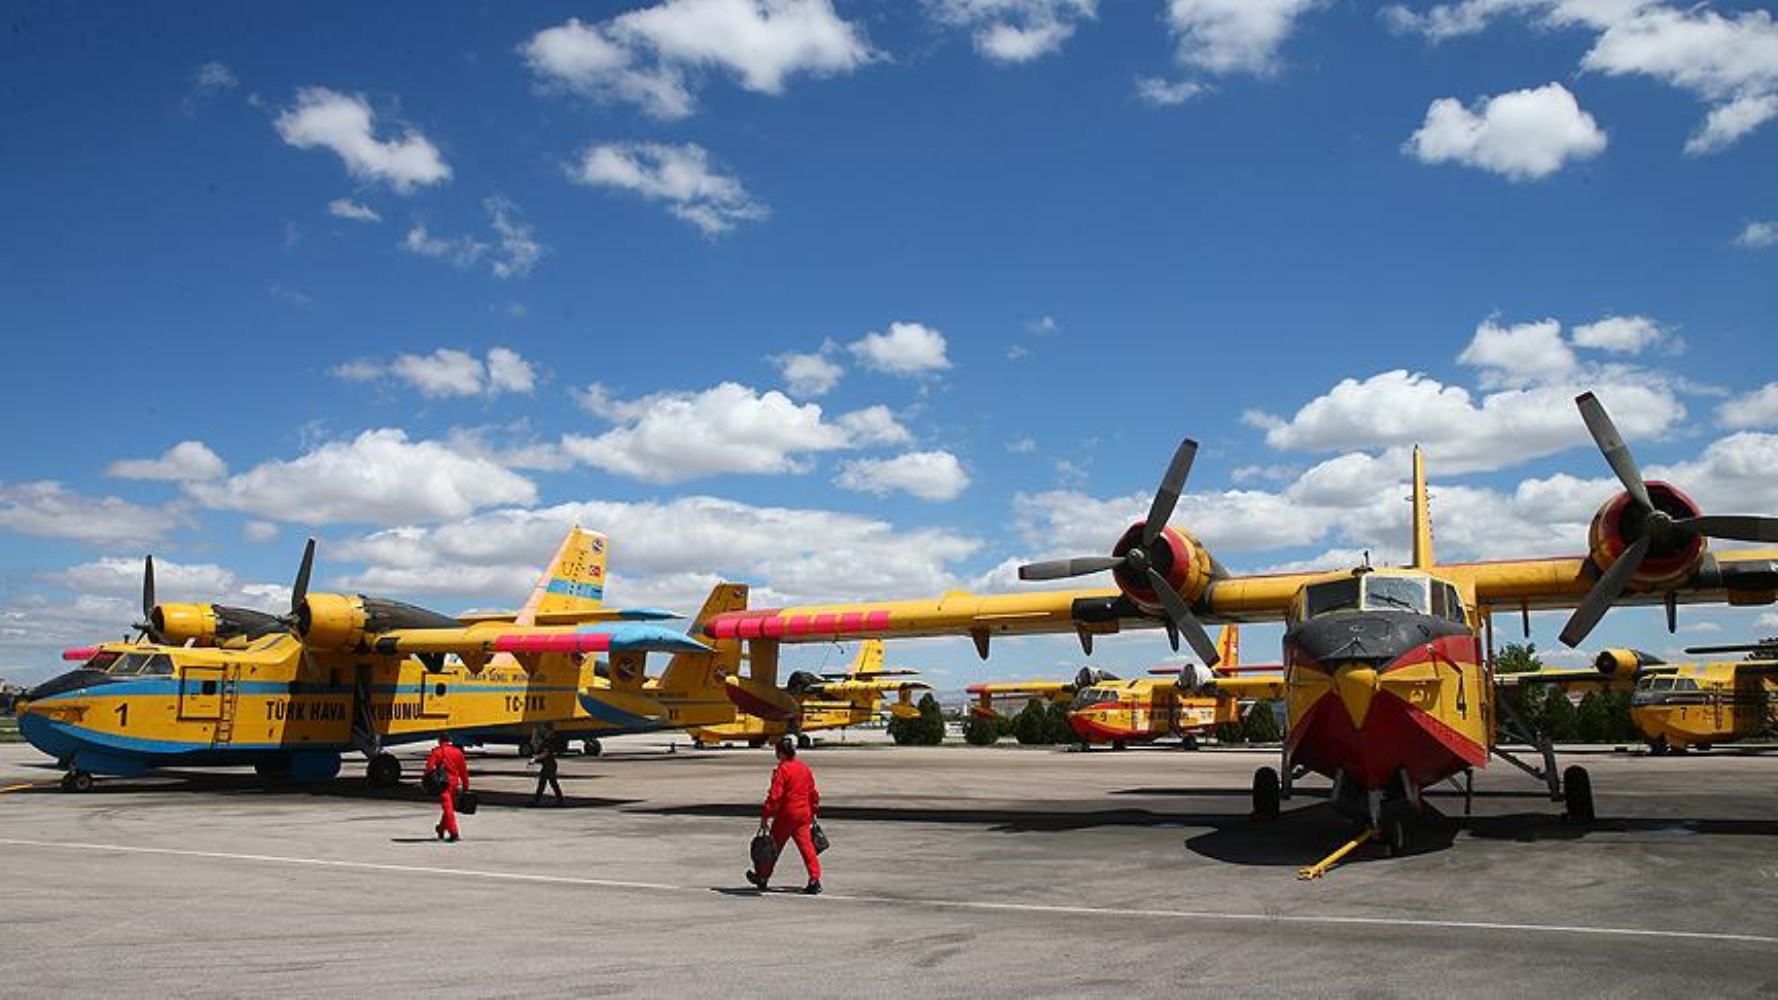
<point x="860" y="300"/>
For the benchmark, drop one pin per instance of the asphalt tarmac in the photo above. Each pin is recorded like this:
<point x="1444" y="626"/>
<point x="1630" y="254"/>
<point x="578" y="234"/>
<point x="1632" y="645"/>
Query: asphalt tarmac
<point x="954" y="871"/>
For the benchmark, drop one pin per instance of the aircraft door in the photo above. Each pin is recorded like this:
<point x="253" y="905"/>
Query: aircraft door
<point x="435" y="694"/>
<point x="200" y="693"/>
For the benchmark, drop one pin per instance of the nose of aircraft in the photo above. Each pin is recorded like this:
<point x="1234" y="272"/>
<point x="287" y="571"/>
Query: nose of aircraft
<point x="1356" y="685"/>
<point x="73" y="680"/>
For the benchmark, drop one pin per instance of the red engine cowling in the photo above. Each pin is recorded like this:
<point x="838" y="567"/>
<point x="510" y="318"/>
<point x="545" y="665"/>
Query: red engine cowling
<point x="1672" y="556"/>
<point x="1176" y="555"/>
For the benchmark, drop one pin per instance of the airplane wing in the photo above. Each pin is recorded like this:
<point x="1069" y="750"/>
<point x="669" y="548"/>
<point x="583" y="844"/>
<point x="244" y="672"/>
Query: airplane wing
<point x="1256" y="688"/>
<point x="486" y="638"/>
<point x="580" y="617"/>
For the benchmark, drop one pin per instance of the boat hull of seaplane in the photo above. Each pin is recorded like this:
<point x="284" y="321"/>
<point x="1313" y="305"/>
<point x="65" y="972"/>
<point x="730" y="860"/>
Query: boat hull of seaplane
<point x="1385" y="703"/>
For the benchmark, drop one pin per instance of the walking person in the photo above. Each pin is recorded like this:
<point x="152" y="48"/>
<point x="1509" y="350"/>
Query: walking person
<point x="449" y="759"/>
<point x="546" y="773"/>
<point x="788" y="812"/>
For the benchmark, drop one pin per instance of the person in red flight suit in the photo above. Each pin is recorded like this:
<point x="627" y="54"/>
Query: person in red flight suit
<point x="789" y="809"/>
<point x="456" y="776"/>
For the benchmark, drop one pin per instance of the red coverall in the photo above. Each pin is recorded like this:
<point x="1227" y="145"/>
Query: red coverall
<point x="456" y="776"/>
<point x="791" y="806"/>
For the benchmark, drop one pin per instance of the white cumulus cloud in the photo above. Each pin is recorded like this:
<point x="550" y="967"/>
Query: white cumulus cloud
<point x="1752" y="410"/>
<point x="907" y="349"/>
<point x="929" y="475"/>
<point x="682" y="176"/>
<point x="1233" y="36"/>
<point x="1014" y="31"/>
<point x="184" y="462"/>
<point x="1758" y="235"/>
<point x="1623" y="334"/>
<point x="380" y="477"/>
<point x="345" y="124"/>
<point x="807" y="375"/>
<point x="448" y="372"/>
<point x="672" y="437"/>
<point x="50" y="510"/>
<point x="1521" y="135"/>
<point x="653" y="57"/>
<point x="1519" y="355"/>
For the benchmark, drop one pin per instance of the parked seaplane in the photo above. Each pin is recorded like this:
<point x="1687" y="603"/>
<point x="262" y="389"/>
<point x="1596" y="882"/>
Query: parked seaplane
<point x="290" y="694"/>
<point x="810" y="702"/>
<point x="1182" y="702"/>
<point x="1387" y="687"/>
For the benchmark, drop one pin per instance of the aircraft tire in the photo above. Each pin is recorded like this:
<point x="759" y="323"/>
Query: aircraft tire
<point x="1265" y="795"/>
<point x="1188" y="742"/>
<point x="77" y="781"/>
<point x="1658" y="746"/>
<point x="384" y="771"/>
<point x="756" y="744"/>
<point x="1395" y="837"/>
<point x="803" y="742"/>
<point x="1577" y="794"/>
<point x="592" y="748"/>
<point x="526" y="749"/>
<point x="1119" y="745"/>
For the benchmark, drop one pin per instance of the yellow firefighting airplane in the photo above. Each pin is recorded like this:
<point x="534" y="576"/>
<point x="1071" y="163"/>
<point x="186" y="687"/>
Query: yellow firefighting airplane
<point x="289" y="694"/>
<point x="814" y="702"/>
<point x="1178" y="702"/>
<point x="1678" y="706"/>
<point x="1387" y="688"/>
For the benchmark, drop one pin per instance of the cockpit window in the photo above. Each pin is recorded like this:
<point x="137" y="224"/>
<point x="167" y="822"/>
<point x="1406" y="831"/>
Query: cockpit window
<point x="130" y="664"/>
<point x="1395" y="593"/>
<point x="1662" y="684"/>
<point x="1093" y="696"/>
<point x="159" y="665"/>
<point x="1447" y="603"/>
<point x="1684" y="684"/>
<point x="102" y="660"/>
<point x="1334" y="595"/>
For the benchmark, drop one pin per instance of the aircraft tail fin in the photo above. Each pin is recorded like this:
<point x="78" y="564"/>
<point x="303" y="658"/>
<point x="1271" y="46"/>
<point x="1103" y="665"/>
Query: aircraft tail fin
<point x="1228" y="647"/>
<point x="1422" y="515"/>
<point x="869" y="659"/>
<point x="706" y="671"/>
<point x="574" y="580"/>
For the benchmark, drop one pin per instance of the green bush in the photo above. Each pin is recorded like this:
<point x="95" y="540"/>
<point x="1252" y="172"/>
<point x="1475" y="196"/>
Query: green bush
<point x="1593" y="718"/>
<point x="1561" y="723"/>
<point x="1231" y="733"/>
<point x="1059" y="730"/>
<point x="981" y="732"/>
<point x="1261" y="723"/>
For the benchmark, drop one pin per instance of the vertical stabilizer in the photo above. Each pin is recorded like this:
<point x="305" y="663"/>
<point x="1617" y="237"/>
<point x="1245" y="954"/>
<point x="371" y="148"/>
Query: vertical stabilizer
<point x="1228" y="647"/>
<point x="1422" y="515"/>
<point x="689" y="672"/>
<point x="574" y="580"/>
<point x="869" y="659"/>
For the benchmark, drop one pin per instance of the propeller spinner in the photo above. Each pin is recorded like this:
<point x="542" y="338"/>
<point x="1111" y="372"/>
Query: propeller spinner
<point x="1658" y="529"/>
<point x="1139" y="565"/>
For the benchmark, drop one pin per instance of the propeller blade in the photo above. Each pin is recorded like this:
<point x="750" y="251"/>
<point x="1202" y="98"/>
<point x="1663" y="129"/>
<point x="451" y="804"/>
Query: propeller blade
<point x="301" y="590"/>
<point x="1611" y="443"/>
<point x="1057" y="569"/>
<point x="1739" y="527"/>
<point x="147" y="588"/>
<point x="1180" y="615"/>
<point x="1172" y="484"/>
<point x="1604" y="592"/>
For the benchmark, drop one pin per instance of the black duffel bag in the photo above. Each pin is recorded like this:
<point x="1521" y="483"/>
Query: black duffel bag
<point x="466" y="802"/>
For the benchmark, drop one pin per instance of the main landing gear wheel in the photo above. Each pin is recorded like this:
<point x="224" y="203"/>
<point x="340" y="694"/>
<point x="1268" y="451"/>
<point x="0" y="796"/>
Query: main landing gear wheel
<point x="384" y="771"/>
<point x="756" y="744"/>
<point x="1395" y="837"/>
<point x="1119" y="745"/>
<point x="1577" y="794"/>
<point x="1188" y="742"/>
<point x="592" y="748"/>
<point x="526" y="749"/>
<point x="77" y="781"/>
<point x="803" y="742"/>
<point x="1265" y="794"/>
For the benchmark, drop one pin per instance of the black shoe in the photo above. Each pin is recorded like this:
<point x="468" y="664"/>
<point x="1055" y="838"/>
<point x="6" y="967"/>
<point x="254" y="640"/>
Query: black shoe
<point x="813" y="888"/>
<point x="754" y="877"/>
<point x="439" y="830"/>
<point x="452" y="838"/>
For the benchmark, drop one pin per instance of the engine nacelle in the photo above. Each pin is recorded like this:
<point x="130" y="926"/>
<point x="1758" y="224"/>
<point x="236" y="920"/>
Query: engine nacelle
<point x="1623" y="664"/>
<point x="341" y="621"/>
<point x="1088" y="677"/>
<point x="207" y="624"/>
<point x="1195" y="677"/>
<point x="183" y="624"/>
<point x="1176" y="555"/>
<point x="1673" y="555"/>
